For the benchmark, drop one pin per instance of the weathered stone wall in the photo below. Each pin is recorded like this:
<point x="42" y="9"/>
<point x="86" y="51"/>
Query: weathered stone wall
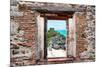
<point x="85" y="30"/>
<point x="23" y="36"/>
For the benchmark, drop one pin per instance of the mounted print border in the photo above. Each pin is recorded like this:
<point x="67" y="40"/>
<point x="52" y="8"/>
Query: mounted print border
<point x="28" y="35"/>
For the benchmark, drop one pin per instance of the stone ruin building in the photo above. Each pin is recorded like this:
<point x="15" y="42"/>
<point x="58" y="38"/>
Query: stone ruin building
<point x="28" y="25"/>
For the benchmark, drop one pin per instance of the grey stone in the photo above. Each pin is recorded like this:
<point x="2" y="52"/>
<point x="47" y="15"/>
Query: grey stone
<point x="16" y="13"/>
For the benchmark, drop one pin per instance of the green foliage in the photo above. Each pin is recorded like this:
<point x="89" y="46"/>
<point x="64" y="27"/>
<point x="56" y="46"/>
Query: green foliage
<point x="52" y="33"/>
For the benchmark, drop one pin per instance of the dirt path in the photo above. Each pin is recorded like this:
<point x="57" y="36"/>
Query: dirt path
<point x="56" y="53"/>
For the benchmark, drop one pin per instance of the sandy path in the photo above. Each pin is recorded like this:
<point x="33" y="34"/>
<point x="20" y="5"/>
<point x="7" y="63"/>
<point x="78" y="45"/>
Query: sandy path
<point x="56" y="53"/>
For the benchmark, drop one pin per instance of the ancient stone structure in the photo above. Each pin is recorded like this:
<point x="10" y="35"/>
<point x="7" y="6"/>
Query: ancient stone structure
<point x="27" y="32"/>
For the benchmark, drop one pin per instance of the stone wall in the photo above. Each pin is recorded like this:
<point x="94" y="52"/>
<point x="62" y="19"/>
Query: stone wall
<point x="23" y="36"/>
<point x="85" y="30"/>
<point x="26" y="45"/>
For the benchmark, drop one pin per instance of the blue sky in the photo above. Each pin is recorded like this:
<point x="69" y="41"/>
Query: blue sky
<point x="57" y="24"/>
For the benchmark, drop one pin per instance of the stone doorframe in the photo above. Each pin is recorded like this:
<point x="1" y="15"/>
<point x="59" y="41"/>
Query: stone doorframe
<point x="71" y="38"/>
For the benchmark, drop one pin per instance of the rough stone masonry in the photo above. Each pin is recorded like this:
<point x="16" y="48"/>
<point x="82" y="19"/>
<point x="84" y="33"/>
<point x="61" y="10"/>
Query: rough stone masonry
<point x="24" y="30"/>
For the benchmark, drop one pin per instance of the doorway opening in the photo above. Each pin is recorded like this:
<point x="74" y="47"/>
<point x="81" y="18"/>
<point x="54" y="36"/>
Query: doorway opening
<point x="56" y="38"/>
<point x="57" y="31"/>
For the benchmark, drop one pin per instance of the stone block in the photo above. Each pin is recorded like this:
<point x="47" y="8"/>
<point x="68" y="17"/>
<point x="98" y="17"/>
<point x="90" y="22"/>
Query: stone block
<point x="16" y="13"/>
